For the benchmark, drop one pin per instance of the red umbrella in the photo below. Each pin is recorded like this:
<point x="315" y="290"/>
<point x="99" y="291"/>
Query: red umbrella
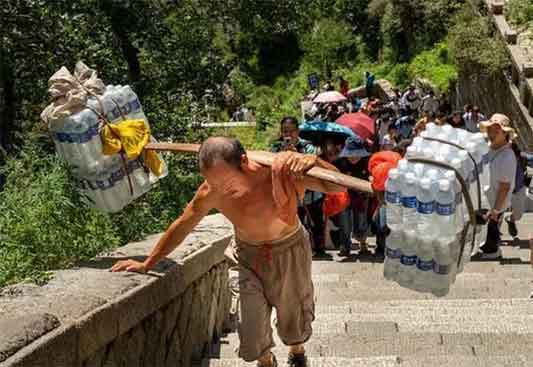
<point x="360" y="124"/>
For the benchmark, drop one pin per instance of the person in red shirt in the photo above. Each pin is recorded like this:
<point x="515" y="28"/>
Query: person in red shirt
<point x="344" y="86"/>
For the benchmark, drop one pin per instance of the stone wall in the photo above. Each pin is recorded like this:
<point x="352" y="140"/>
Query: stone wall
<point x="90" y="317"/>
<point x="511" y="92"/>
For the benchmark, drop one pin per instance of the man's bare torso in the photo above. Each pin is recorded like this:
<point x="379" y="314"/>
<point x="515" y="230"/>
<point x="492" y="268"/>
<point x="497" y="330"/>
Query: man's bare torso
<point x="254" y="215"/>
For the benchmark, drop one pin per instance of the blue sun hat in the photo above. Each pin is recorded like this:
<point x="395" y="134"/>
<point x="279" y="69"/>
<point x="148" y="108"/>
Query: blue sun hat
<point x="354" y="147"/>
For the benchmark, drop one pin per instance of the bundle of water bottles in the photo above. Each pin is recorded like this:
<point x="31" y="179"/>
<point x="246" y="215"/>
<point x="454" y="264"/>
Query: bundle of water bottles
<point x="426" y="209"/>
<point x="76" y="118"/>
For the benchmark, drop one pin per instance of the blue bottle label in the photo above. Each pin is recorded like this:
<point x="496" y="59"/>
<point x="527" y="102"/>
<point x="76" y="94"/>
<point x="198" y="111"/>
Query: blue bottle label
<point x="425" y="208"/>
<point x="445" y="209"/>
<point x="409" y="201"/>
<point x="441" y="269"/>
<point x="424" y="265"/>
<point x="392" y="197"/>
<point x="408" y="260"/>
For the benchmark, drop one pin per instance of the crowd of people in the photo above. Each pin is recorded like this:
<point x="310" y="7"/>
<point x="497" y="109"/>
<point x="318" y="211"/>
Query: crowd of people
<point x="349" y="220"/>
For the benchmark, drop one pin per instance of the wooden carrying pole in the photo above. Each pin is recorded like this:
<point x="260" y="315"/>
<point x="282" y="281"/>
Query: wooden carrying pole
<point x="266" y="159"/>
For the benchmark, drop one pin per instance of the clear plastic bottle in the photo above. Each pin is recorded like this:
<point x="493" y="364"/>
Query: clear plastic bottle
<point x="432" y="130"/>
<point x="403" y="166"/>
<point x="425" y="197"/>
<point x="407" y="270"/>
<point x="424" y="276"/>
<point x="445" y="208"/>
<point x="393" y="200"/>
<point x="408" y="192"/>
<point x="450" y="132"/>
<point x="411" y="152"/>
<point x="393" y="254"/>
<point x="426" y="234"/>
<point x="445" y="222"/>
<point x="419" y="170"/>
<point x="442" y="266"/>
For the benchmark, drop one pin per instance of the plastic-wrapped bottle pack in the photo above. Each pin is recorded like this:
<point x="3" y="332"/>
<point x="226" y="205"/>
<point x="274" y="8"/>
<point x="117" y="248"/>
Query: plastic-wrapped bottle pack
<point x="426" y="209"/>
<point x="109" y="182"/>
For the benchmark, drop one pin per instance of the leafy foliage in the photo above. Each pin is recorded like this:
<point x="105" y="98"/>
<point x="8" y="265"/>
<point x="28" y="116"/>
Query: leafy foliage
<point x="34" y="234"/>
<point x="473" y="46"/>
<point x="434" y="65"/>
<point x="520" y="12"/>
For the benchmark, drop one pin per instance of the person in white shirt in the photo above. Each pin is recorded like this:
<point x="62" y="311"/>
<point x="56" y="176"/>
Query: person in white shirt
<point x="472" y="119"/>
<point x="411" y="100"/>
<point x="502" y="179"/>
<point x="430" y="103"/>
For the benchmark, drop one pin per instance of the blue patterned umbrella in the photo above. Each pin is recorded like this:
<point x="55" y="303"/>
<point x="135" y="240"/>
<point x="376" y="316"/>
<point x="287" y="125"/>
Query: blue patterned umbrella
<point x="318" y="131"/>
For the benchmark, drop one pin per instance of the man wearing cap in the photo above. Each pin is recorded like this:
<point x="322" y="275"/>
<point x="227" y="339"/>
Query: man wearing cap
<point x="353" y="161"/>
<point x="502" y="170"/>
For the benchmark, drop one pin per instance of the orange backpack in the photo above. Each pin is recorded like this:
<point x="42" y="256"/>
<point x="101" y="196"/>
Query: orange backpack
<point x="335" y="203"/>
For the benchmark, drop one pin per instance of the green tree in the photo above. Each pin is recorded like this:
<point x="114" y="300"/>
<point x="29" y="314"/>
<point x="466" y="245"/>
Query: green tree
<point x="473" y="45"/>
<point x="329" y="44"/>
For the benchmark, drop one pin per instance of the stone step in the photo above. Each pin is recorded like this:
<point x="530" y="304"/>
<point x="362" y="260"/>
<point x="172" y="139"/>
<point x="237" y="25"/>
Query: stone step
<point x="431" y="316"/>
<point x="470" y="273"/>
<point x="469" y="280"/>
<point x="467" y="361"/>
<point x="335" y="296"/>
<point x="374" y="339"/>
<point x="323" y="269"/>
<point x="522" y="306"/>
<point x="393" y="361"/>
<point x="386" y="361"/>
<point x="400" y="344"/>
<point x="367" y="268"/>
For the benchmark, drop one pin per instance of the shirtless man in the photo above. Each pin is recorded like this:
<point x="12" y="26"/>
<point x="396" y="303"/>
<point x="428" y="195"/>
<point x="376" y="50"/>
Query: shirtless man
<point x="272" y="255"/>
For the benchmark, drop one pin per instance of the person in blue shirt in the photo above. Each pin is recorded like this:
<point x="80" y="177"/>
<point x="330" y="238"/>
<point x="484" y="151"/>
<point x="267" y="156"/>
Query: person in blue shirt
<point x="310" y="210"/>
<point x="369" y="83"/>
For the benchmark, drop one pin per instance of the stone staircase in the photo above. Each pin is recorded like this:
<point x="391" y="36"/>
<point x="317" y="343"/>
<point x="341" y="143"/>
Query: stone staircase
<point x="363" y="320"/>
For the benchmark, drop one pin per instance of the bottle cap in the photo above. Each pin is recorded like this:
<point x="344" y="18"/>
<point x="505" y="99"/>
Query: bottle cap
<point x="456" y="163"/>
<point x="394" y="173"/>
<point x="432" y="174"/>
<point x="450" y="175"/>
<point x="444" y="185"/>
<point x="425" y="183"/>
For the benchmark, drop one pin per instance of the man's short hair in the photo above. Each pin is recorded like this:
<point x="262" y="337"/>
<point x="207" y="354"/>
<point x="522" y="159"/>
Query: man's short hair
<point x="215" y="149"/>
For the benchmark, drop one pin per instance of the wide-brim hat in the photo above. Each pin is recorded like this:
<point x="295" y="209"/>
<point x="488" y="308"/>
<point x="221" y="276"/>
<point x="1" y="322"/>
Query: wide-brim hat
<point x="354" y="147"/>
<point x="501" y="120"/>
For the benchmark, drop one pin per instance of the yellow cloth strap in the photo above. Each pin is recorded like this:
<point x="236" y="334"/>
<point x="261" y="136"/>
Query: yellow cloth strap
<point x="131" y="136"/>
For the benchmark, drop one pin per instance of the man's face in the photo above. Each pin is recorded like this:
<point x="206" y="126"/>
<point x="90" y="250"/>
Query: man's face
<point x="354" y="160"/>
<point x="290" y="131"/>
<point x="227" y="180"/>
<point x="496" y="135"/>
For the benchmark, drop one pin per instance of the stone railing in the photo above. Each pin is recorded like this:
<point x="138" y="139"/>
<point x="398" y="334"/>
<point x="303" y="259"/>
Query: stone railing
<point x="90" y="317"/>
<point x="511" y="93"/>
